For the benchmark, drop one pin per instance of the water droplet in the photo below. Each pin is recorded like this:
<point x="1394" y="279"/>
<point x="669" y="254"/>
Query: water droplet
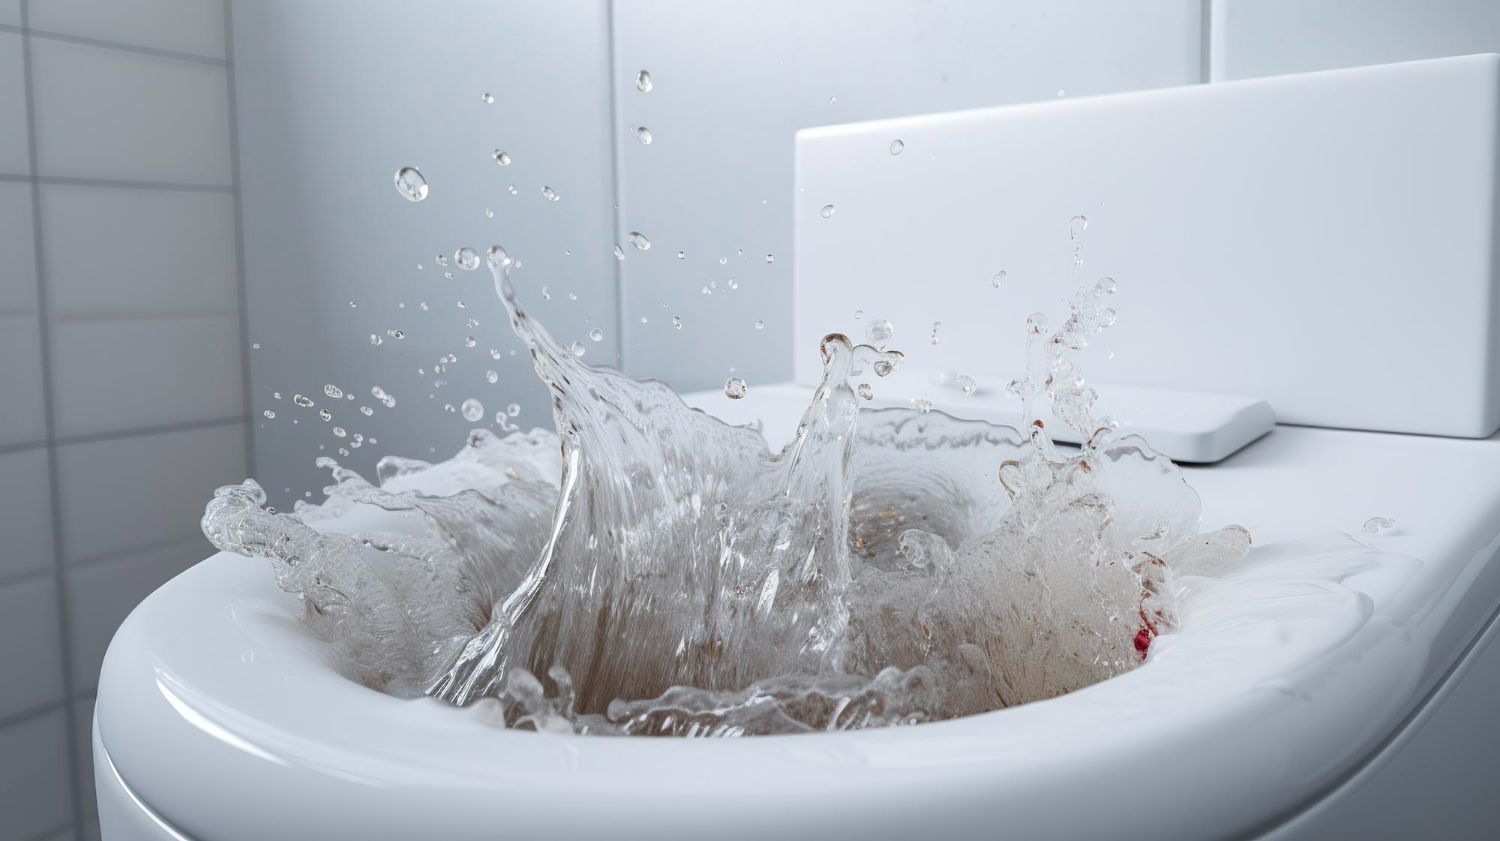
<point x="770" y="258"/>
<point x="596" y="334"/>
<point x="998" y="280"/>
<point x="333" y="391"/>
<point x="682" y="255"/>
<point x="270" y="415"/>
<point x="967" y="385"/>
<point x="1076" y="226"/>
<point x="470" y="341"/>
<point x="502" y="157"/>
<point x="366" y="411"/>
<point x="619" y="252"/>
<point x="865" y="391"/>
<point x="497" y="255"/>
<point x="1107" y="285"/>
<point x="735" y="388"/>
<point x="644" y="134"/>
<point x="578" y="349"/>
<point x="514" y="190"/>
<point x="550" y="193"/>
<point x="897" y="146"/>
<point x="441" y="259"/>
<point x="1376" y="525"/>
<point x="513" y="409"/>
<point x="340" y="432"/>
<point x="375" y="339"/>
<point x="723" y="260"/>
<point x="1036" y="322"/>
<point x="676" y="323"/>
<point x="466" y="258"/>
<point x="395" y="334"/>
<point x="325" y="414"/>
<point x="487" y="98"/>
<point x="921" y="404"/>
<point x="760" y="325"/>
<point x="572" y="296"/>
<point x="473" y="410"/>
<point x="304" y="402"/>
<point x="934" y="338"/>
<point x="639" y="240"/>
<point x="858" y="314"/>
<point x="643" y="82"/>
<point x="827" y="210"/>
<point x="489" y="214"/>
<point x="879" y="330"/>
<point x="410" y="183"/>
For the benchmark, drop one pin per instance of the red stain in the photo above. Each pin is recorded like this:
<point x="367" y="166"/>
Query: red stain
<point x="1142" y="641"/>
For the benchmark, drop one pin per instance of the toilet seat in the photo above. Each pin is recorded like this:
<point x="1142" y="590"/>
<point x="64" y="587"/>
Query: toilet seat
<point x="239" y="729"/>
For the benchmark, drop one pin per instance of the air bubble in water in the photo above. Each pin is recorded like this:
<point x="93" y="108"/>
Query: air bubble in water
<point x="441" y="259"/>
<point x="375" y="339"/>
<point x="879" y="330"/>
<point x="340" y="432"/>
<point x="967" y="385"/>
<point x="865" y="391"/>
<point x="325" y="414"/>
<point x="513" y="409"/>
<point x="491" y="377"/>
<point x="643" y="82"/>
<point x="1107" y="285"/>
<point x="1036" y="322"/>
<point x="827" y="211"/>
<point x="921" y="404"/>
<point x="676" y="323"/>
<point x="270" y="415"/>
<point x="596" y="334"/>
<point x="487" y="98"/>
<point x="1077" y="225"/>
<point x="644" y="135"/>
<point x="497" y="255"/>
<point x="770" y="258"/>
<point x="578" y="349"/>
<point x="998" y="279"/>
<point x="470" y="341"/>
<point x="410" y="183"/>
<point x="473" y="410"/>
<point x="760" y="325"/>
<point x="304" y="402"/>
<point x="619" y="252"/>
<point x="934" y="338"/>
<point x="897" y="146"/>
<point x="502" y="157"/>
<point x="735" y="388"/>
<point x="466" y="258"/>
<point x="550" y="193"/>
<point x="366" y="411"/>
<point x="640" y="241"/>
<point x="333" y="391"/>
<point x="1376" y="525"/>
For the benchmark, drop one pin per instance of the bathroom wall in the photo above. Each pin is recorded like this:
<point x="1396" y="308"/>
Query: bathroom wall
<point x="121" y="388"/>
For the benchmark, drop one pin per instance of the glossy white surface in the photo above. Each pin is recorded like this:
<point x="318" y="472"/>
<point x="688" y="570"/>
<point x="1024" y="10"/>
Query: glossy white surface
<point x="214" y="672"/>
<point x="1321" y="241"/>
<point x="1187" y="426"/>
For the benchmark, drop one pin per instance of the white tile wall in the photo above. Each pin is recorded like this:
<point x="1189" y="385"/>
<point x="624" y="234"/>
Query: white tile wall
<point x="113" y="251"/>
<point x="1268" y="37"/>
<point x="101" y="595"/>
<point x="17" y="244"/>
<point x="35" y="794"/>
<point x="188" y="26"/>
<point x="139" y="306"/>
<point x="23" y="418"/>
<point x="31" y="662"/>
<point x="123" y="494"/>
<point x="25" y="515"/>
<point x="117" y="375"/>
<point x="113" y="114"/>
<point x="13" y="149"/>
<point x="734" y="81"/>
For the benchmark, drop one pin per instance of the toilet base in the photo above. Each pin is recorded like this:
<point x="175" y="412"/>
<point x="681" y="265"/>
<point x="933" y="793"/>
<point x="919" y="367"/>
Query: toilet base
<point x="122" y="815"/>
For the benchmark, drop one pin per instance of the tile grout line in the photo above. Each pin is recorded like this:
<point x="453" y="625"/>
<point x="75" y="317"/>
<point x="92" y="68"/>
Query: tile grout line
<point x="115" y="183"/>
<point x="138" y="432"/>
<point x="65" y="648"/>
<point x="247" y="393"/>
<point x="616" y="181"/>
<point x="117" y="46"/>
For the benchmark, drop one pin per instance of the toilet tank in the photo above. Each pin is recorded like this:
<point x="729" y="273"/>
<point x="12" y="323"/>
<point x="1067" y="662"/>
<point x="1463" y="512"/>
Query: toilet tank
<point x="1323" y="241"/>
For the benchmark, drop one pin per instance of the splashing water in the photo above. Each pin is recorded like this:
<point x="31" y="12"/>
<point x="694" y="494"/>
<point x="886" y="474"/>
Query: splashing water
<point x="648" y="569"/>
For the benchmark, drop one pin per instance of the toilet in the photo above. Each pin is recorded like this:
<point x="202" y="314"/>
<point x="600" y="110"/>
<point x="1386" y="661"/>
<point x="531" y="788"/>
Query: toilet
<point x="1309" y="322"/>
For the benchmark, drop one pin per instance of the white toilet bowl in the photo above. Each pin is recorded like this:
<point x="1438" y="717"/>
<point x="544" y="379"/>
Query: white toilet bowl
<point x="1328" y="705"/>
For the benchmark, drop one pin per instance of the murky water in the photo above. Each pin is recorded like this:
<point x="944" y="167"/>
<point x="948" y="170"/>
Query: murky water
<point x="648" y="569"/>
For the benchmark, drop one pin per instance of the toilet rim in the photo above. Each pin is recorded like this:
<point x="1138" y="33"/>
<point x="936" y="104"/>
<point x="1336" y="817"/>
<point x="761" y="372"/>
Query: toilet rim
<point x="236" y="695"/>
